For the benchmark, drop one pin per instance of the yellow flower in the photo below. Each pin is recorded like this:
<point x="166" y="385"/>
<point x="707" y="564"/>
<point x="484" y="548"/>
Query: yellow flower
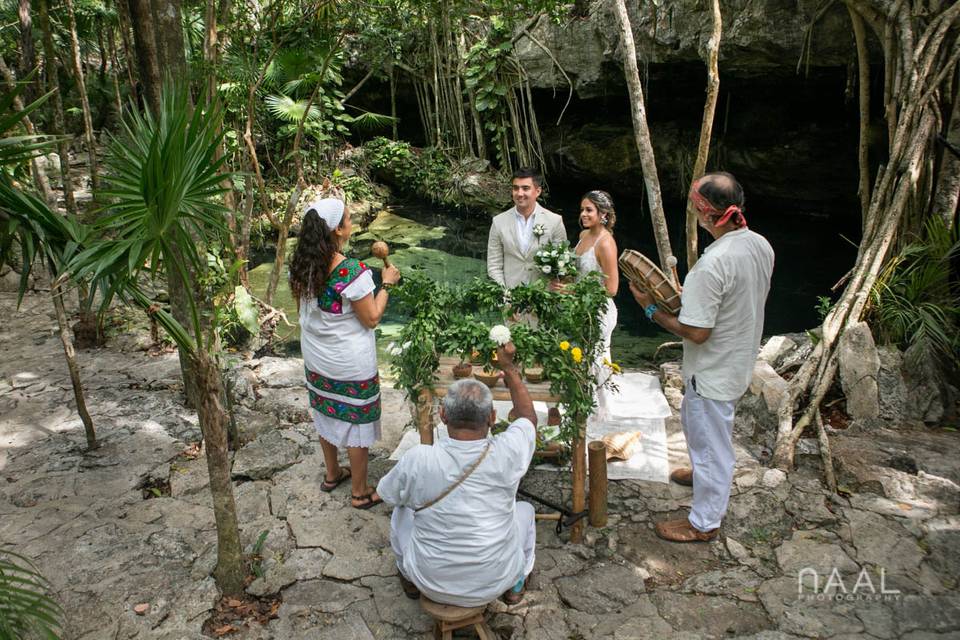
<point x="576" y="354"/>
<point x="613" y="366"/>
<point x="564" y="345"/>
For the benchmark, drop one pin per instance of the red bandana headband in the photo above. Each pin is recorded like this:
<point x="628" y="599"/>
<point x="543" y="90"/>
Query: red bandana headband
<point x="704" y="205"/>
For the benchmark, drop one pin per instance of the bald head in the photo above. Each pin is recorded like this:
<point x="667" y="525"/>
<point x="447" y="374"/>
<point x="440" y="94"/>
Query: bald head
<point x="721" y="189"/>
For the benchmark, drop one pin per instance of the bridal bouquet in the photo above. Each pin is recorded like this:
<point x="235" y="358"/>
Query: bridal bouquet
<point x="556" y="261"/>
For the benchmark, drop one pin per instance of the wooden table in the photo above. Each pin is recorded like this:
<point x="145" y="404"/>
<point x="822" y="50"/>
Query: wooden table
<point x="538" y="391"/>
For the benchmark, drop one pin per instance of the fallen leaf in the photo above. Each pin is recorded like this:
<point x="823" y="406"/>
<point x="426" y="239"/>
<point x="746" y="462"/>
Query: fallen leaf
<point x="904" y="506"/>
<point x="224" y="630"/>
<point x="234" y="603"/>
<point x="141" y="609"/>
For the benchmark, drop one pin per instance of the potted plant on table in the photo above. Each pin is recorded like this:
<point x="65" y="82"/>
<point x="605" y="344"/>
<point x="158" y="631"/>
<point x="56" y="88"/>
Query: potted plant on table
<point x="462" y="337"/>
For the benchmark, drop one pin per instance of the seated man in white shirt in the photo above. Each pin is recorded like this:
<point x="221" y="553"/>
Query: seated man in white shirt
<point x="458" y="533"/>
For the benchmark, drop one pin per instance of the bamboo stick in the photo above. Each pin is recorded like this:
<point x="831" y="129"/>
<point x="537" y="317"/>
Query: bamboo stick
<point x="597" y="451"/>
<point x="579" y="481"/>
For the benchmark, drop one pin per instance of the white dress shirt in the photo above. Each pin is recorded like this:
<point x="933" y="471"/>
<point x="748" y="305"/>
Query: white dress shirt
<point x="525" y="228"/>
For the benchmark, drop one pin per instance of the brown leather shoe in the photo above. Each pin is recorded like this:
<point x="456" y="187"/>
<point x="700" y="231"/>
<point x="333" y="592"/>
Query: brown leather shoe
<point x="683" y="475"/>
<point x="683" y="531"/>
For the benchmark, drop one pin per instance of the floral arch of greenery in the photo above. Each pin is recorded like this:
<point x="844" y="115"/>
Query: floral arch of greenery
<point x="564" y="339"/>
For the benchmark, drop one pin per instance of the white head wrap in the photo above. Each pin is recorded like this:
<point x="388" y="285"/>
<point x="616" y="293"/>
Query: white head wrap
<point x="329" y="209"/>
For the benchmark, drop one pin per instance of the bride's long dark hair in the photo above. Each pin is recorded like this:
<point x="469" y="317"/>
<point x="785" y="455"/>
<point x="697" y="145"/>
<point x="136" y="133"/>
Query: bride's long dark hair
<point x="311" y="260"/>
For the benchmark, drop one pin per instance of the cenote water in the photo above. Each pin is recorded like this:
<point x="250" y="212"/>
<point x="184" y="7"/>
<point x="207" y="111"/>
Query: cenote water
<point x="812" y="254"/>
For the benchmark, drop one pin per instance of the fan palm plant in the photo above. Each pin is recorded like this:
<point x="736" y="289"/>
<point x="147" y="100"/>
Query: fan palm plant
<point x="914" y="302"/>
<point x="26" y="608"/>
<point x="162" y="212"/>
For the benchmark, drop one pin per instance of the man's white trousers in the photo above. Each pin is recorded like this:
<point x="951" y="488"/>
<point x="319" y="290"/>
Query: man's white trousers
<point x="401" y="530"/>
<point x="708" y="428"/>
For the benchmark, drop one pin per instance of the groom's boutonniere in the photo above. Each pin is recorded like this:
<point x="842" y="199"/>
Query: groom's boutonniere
<point x="538" y="230"/>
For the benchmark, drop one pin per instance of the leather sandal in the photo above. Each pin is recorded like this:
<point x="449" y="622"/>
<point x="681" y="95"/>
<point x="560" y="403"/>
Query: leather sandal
<point x="683" y="531"/>
<point x="409" y="589"/>
<point x="683" y="475"/>
<point x="329" y="485"/>
<point x="368" y="501"/>
<point x="513" y="597"/>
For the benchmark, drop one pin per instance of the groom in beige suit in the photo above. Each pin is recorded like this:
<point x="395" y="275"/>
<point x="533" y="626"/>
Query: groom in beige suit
<point x="518" y="232"/>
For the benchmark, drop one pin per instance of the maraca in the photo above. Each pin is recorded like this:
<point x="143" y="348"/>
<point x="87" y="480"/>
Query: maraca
<point x="672" y="263"/>
<point x="381" y="250"/>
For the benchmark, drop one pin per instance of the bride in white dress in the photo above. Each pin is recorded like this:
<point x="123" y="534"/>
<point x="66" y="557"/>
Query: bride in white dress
<point x="597" y="251"/>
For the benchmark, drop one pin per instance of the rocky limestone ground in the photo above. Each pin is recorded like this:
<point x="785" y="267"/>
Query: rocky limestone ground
<point x="84" y="518"/>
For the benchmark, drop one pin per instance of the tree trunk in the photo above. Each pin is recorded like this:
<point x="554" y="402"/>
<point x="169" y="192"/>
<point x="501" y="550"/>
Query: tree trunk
<point x="148" y="62"/>
<point x="56" y="292"/>
<point x="28" y="53"/>
<point x="115" y="62"/>
<point x="283" y="232"/>
<point x="169" y="37"/>
<point x="123" y="18"/>
<point x="229" y="572"/>
<point x="706" y="126"/>
<point x="84" y="100"/>
<point x="863" y="100"/>
<point x="53" y="84"/>
<point x="642" y="134"/>
<point x="948" y="181"/>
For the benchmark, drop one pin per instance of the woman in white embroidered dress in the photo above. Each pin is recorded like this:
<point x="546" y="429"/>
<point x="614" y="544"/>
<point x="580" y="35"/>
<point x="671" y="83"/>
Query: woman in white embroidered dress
<point x="338" y="313"/>
<point x="597" y="251"/>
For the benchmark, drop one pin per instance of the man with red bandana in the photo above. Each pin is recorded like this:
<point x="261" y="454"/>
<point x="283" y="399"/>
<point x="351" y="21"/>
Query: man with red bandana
<point x="721" y="323"/>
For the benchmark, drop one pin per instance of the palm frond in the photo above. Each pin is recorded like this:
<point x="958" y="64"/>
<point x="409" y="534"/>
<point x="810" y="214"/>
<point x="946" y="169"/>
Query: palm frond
<point x="370" y="122"/>
<point x="26" y="607"/>
<point x="161" y="191"/>
<point x="287" y="109"/>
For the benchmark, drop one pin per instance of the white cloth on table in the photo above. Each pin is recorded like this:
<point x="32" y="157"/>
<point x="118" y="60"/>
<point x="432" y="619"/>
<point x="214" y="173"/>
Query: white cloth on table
<point x="338" y="347"/>
<point x="473" y="545"/>
<point x="726" y="291"/>
<point x="708" y="428"/>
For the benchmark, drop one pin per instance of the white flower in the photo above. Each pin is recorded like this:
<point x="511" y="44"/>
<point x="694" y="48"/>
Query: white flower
<point x="405" y="345"/>
<point x="546" y="268"/>
<point x="500" y="334"/>
<point x="538" y="230"/>
<point x="391" y="346"/>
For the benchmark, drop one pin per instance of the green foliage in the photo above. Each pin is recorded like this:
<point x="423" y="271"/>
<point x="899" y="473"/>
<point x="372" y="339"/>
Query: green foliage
<point x="823" y="306"/>
<point x="27" y="610"/>
<point x="28" y="227"/>
<point x="423" y="172"/>
<point x="914" y="303"/>
<point x="161" y="207"/>
<point x="457" y="320"/>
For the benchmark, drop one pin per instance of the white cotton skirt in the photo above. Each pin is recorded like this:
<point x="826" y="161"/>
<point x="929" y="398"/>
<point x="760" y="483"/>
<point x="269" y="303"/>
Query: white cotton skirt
<point x="345" y="434"/>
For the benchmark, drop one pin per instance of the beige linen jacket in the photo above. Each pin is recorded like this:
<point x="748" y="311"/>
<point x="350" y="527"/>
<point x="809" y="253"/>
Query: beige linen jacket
<point x="506" y="263"/>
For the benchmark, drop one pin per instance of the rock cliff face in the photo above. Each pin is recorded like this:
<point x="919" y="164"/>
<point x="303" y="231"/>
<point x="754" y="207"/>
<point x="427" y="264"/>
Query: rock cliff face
<point x="758" y="38"/>
<point x="789" y="136"/>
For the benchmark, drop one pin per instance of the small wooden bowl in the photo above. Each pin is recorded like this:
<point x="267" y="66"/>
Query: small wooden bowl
<point x="534" y="375"/>
<point x="462" y="370"/>
<point x="487" y="378"/>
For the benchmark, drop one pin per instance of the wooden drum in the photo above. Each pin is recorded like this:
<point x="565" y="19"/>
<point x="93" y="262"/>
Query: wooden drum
<point x="642" y="272"/>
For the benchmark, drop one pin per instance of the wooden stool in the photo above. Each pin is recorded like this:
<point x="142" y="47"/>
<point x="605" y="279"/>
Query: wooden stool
<point x="447" y="618"/>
